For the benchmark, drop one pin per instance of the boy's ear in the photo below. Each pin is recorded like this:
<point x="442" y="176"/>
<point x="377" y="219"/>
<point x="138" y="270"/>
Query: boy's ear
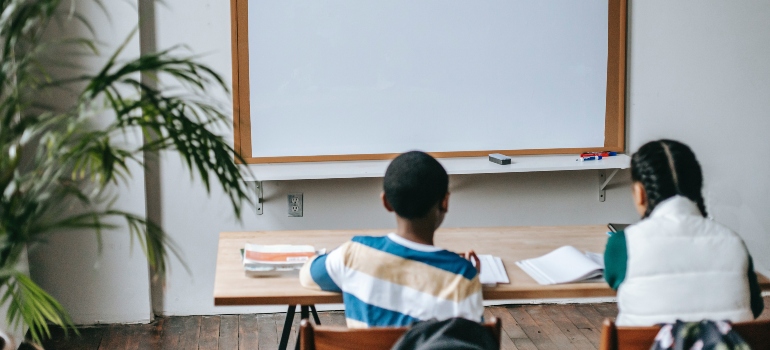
<point x="385" y="202"/>
<point x="444" y="205"/>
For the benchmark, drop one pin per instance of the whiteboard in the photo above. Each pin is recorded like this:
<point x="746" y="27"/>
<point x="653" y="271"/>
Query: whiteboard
<point x="336" y="77"/>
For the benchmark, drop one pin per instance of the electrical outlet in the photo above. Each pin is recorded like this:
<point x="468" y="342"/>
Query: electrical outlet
<point x="295" y="205"/>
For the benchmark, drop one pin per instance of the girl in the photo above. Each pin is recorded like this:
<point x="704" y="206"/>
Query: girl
<point x="675" y="264"/>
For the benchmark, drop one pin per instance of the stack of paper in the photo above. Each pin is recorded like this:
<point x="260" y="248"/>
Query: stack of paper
<point x="492" y="270"/>
<point x="275" y="260"/>
<point x="564" y="265"/>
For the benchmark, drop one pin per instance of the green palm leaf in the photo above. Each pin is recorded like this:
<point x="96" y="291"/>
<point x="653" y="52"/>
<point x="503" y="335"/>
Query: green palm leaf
<point x="56" y="167"/>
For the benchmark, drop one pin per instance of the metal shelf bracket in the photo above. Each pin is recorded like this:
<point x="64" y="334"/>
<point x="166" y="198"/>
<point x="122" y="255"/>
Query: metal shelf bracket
<point x="603" y="181"/>
<point x="258" y="201"/>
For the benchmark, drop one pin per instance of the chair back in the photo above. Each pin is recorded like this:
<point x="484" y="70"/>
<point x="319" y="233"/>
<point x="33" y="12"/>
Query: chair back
<point x="755" y="333"/>
<point x="313" y="337"/>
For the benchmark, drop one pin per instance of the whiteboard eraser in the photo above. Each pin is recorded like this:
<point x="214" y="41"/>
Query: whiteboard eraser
<point x="499" y="159"/>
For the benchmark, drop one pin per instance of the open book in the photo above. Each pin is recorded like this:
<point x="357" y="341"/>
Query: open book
<point x="564" y="265"/>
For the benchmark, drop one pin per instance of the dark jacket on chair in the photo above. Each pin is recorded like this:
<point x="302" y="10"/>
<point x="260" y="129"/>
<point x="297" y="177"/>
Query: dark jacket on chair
<point x="454" y="333"/>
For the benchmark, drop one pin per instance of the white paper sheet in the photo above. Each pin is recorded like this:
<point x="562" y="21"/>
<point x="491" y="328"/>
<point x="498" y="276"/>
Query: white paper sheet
<point x="563" y="265"/>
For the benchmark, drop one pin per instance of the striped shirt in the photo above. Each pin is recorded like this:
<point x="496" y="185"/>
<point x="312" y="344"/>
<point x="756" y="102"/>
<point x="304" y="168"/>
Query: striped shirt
<point x="389" y="281"/>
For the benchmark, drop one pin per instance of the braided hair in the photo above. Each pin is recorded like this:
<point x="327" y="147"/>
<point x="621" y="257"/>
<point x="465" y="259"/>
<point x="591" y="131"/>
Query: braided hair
<point x="667" y="168"/>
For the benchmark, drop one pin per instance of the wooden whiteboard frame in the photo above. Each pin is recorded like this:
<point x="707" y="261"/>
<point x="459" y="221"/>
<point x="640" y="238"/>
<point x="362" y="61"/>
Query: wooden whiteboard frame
<point x="614" y="121"/>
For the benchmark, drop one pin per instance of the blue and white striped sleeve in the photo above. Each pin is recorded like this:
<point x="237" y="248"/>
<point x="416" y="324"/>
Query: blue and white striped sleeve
<point x="324" y="271"/>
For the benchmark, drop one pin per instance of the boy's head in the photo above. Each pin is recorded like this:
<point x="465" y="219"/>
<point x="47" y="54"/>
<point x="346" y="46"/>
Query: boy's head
<point x="416" y="187"/>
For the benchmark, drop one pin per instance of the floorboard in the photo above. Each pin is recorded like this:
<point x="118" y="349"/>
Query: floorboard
<point x="248" y="332"/>
<point x="525" y="344"/>
<point x="268" y="335"/>
<point x="591" y="315"/>
<point x="279" y="323"/>
<point x="228" y="332"/>
<point x="89" y="338"/>
<point x="591" y="332"/>
<point x="609" y="310"/>
<point x="191" y="327"/>
<point x="561" y="321"/>
<point x="549" y="327"/>
<point x="524" y="327"/>
<point x="209" y="333"/>
<point x="510" y="326"/>
<point x="338" y="319"/>
<point x="765" y="315"/>
<point x="505" y="341"/>
<point x="116" y="337"/>
<point x="149" y="335"/>
<point x="533" y="331"/>
<point x="173" y="329"/>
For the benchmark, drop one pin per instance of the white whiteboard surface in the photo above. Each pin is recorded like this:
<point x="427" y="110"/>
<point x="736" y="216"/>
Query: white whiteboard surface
<point x="387" y="76"/>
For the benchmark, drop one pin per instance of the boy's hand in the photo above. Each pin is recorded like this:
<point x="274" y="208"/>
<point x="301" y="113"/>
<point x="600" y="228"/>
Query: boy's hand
<point x="474" y="259"/>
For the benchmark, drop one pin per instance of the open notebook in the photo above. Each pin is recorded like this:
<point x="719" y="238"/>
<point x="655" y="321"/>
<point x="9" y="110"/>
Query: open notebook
<point x="564" y="265"/>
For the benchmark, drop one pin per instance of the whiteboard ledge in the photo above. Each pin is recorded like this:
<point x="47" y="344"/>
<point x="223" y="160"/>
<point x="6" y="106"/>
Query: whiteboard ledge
<point x="454" y="166"/>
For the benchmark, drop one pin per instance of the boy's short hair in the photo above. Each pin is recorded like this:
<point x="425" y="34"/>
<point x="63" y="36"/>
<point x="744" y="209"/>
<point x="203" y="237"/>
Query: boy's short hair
<point x="414" y="183"/>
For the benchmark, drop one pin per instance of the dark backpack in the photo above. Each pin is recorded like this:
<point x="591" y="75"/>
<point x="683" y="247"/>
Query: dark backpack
<point x="705" y="335"/>
<point x="454" y="333"/>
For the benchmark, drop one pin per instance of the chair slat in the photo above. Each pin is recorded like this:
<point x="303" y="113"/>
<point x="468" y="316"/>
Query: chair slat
<point x="755" y="333"/>
<point x="314" y="337"/>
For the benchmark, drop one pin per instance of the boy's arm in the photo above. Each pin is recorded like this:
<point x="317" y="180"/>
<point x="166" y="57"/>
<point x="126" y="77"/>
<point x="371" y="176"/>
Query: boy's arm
<point x="305" y="277"/>
<point x="324" y="271"/>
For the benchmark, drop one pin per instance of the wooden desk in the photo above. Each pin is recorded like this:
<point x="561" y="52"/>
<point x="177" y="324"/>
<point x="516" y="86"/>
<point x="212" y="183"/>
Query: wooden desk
<point x="232" y="287"/>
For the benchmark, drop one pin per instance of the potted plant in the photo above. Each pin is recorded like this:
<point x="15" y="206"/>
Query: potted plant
<point x="57" y="163"/>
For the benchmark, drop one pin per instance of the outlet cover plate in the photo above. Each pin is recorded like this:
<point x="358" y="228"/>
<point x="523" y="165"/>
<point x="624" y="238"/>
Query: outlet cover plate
<point x="295" y="205"/>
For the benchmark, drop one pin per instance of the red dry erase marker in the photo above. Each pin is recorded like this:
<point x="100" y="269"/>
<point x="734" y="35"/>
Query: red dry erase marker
<point x="601" y="154"/>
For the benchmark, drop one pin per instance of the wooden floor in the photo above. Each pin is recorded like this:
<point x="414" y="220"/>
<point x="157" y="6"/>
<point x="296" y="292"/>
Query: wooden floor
<point x="526" y="327"/>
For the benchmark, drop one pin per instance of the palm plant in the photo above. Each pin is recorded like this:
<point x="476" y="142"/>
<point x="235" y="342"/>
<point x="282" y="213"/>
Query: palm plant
<point x="57" y="163"/>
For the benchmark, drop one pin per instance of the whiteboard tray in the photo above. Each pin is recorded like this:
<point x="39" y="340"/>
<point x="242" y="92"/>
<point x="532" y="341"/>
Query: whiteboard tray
<point x="454" y="166"/>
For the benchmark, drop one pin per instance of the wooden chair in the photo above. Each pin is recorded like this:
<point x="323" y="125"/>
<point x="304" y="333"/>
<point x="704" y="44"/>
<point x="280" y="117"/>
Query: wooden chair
<point x="756" y="334"/>
<point x="313" y="337"/>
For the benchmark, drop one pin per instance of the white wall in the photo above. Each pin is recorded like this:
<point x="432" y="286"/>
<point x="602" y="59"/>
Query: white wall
<point x="698" y="72"/>
<point x="112" y="285"/>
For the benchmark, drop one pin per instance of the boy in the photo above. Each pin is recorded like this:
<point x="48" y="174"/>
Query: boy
<point x="401" y="278"/>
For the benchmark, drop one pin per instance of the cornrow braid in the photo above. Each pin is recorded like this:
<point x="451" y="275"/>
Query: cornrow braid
<point x="667" y="168"/>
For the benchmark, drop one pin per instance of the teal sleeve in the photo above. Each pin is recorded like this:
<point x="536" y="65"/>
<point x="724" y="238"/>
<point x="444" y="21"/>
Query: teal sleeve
<point x="615" y="260"/>
<point x="757" y="304"/>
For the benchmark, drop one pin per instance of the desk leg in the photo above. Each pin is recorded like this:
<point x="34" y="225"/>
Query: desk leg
<point x="287" y="328"/>
<point x="304" y="313"/>
<point x="315" y="315"/>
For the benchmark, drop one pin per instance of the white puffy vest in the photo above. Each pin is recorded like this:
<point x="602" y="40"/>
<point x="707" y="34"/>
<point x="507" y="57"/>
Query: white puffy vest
<point x="683" y="266"/>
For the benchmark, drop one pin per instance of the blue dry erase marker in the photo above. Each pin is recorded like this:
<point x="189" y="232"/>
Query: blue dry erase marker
<point x="582" y="159"/>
